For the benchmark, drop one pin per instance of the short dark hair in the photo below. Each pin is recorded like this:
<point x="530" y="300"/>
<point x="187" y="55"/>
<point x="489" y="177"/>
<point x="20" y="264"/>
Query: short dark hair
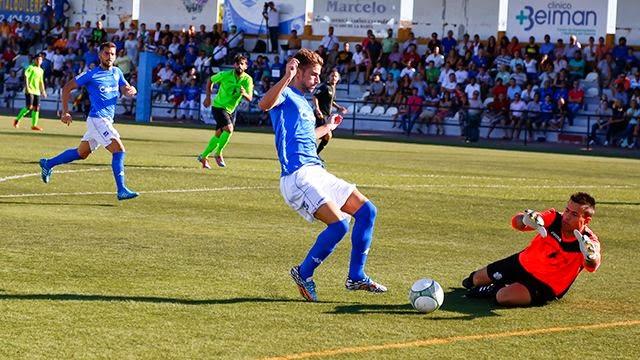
<point x="107" y="44"/>
<point x="307" y="57"/>
<point x="238" y="58"/>
<point x="583" y="198"/>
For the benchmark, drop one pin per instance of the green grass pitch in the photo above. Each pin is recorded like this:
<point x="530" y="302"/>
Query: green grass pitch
<point x="197" y="266"/>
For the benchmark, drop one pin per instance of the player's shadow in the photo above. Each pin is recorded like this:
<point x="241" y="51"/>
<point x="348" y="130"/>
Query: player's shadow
<point x="454" y="302"/>
<point x="261" y="158"/>
<point x="143" y="299"/>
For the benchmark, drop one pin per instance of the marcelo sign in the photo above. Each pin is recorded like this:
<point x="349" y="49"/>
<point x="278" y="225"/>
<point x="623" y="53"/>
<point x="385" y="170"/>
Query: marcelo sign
<point x="559" y="19"/>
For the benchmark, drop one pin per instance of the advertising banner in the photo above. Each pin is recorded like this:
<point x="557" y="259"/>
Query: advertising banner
<point x="247" y="15"/>
<point x="355" y="17"/>
<point x="559" y="19"/>
<point x="21" y="10"/>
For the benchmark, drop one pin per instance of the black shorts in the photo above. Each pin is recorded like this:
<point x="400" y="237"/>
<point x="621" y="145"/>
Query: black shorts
<point x="32" y="100"/>
<point x="509" y="270"/>
<point x="222" y="117"/>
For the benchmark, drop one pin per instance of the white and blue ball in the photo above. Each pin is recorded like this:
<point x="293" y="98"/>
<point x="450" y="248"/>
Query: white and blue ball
<point x="426" y="295"/>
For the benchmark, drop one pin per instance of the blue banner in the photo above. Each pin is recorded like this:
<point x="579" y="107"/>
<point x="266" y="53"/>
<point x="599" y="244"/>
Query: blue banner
<point x="247" y="16"/>
<point x="26" y="11"/>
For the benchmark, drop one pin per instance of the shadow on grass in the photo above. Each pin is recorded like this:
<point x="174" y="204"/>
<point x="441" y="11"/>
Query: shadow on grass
<point x="454" y="302"/>
<point x="271" y="158"/>
<point x="54" y="203"/>
<point x="143" y="299"/>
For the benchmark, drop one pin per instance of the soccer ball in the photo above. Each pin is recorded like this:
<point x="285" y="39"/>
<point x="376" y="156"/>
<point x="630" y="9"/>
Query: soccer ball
<point x="426" y="295"/>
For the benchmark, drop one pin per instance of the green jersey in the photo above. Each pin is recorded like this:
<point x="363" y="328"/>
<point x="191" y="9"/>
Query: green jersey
<point x="229" y="94"/>
<point x="34" y="76"/>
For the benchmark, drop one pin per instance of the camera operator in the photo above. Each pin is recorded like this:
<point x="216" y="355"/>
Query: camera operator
<point x="272" y="16"/>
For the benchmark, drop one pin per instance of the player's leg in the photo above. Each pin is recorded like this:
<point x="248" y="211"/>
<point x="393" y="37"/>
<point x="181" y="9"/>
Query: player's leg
<point x="223" y="120"/>
<point x="515" y="294"/>
<point x="337" y="227"/>
<point x="35" y="113"/>
<point x="325" y="244"/>
<point x="225" y="136"/>
<point x="67" y="156"/>
<point x="116" y="148"/>
<point x="364" y="213"/>
<point x="324" y="141"/>
<point x="24" y="111"/>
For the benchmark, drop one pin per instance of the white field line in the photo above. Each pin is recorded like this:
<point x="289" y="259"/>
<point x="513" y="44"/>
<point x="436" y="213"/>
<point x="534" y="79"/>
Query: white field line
<point x="242" y="188"/>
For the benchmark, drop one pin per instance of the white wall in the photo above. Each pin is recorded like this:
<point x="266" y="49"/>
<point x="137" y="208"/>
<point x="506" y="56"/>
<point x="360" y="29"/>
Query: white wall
<point x="461" y="16"/>
<point x="627" y="21"/>
<point x="114" y="11"/>
<point x="176" y="13"/>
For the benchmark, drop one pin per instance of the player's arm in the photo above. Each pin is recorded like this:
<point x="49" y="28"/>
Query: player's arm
<point x="127" y="89"/>
<point x="341" y="109"/>
<point x="65" y="116"/>
<point x="43" y="90"/>
<point x="316" y="107"/>
<point x="207" y="96"/>
<point x="270" y="98"/>
<point x="334" y="122"/>
<point x="246" y="90"/>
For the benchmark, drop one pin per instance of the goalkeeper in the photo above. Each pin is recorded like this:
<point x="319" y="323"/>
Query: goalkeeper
<point x="545" y="270"/>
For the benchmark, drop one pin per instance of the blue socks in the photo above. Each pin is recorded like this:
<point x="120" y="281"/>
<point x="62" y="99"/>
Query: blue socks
<point x="64" y="157"/>
<point x="117" y="165"/>
<point x="361" y="239"/>
<point x="324" y="246"/>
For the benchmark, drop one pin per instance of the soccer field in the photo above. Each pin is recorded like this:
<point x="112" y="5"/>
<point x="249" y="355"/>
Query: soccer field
<point x="198" y="265"/>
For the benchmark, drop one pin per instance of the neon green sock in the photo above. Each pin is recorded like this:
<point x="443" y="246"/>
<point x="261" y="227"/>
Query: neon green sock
<point x="224" y="140"/>
<point x="213" y="144"/>
<point x="35" y="116"/>
<point x="24" y="111"/>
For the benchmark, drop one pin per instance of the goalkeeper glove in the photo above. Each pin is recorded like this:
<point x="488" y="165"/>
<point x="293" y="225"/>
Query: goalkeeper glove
<point x="589" y="248"/>
<point x="533" y="220"/>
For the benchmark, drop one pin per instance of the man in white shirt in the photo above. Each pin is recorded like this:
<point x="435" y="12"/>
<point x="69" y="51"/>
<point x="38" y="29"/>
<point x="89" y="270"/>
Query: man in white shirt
<point x="236" y="40"/>
<point x="444" y="73"/>
<point x="409" y="70"/>
<point x="517" y="108"/>
<point x="272" y="16"/>
<point x="451" y="83"/>
<point x="219" y="53"/>
<point x="329" y="39"/>
<point x="471" y="87"/>
<point x="412" y="40"/>
<point x="166" y="74"/>
<point x="202" y="62"/>
<point x="436" y="57"/>
<point x="462" y="74"/>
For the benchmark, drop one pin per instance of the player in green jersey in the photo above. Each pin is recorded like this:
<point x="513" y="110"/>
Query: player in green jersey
<point x="234" y="85"/>
<point x="33" y="89"/>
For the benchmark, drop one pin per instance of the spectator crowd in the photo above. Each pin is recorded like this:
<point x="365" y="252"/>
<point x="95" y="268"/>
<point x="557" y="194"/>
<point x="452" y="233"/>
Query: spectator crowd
<point x="522" y="88"/>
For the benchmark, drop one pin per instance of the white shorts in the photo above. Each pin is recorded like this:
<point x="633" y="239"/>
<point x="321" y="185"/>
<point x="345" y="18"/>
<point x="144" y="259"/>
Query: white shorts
<point x="312" y="186"/>
<point x="100" y="131"/>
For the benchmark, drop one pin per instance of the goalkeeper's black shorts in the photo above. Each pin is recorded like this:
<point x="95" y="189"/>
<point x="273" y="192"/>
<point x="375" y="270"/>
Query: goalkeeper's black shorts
<point x="509" y="270"/>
